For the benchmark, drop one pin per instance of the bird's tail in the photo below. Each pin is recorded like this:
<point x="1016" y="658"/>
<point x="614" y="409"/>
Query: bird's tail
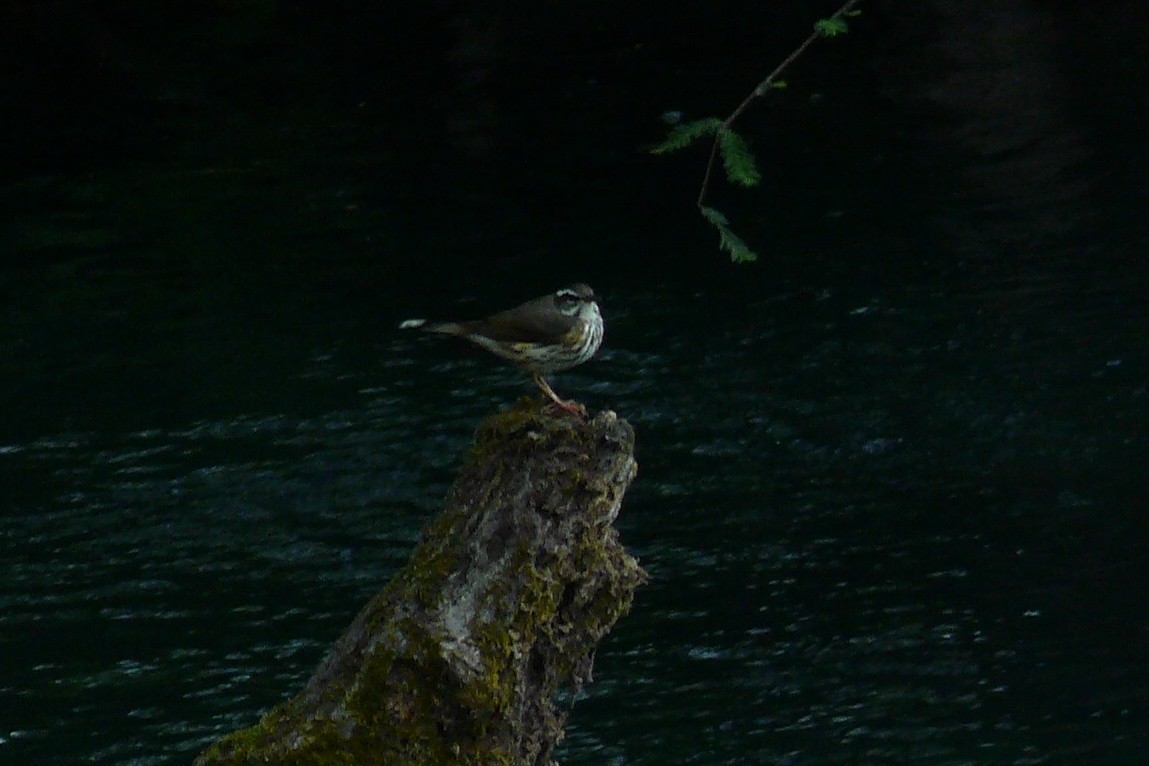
<point x="443" y="328"/>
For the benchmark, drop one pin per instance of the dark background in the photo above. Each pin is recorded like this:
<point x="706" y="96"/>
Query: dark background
<point x="892" y="485"/>
<point x="426" y="151"/>
<point x="522" y="125"/>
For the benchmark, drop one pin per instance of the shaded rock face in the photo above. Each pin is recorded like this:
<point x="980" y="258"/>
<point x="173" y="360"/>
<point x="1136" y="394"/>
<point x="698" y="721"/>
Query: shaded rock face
<point x="460" y="657"/>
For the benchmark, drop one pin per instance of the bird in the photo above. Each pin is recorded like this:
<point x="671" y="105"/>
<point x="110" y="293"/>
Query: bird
<point x="549" y="333"/>
<point x="544" y="335"/>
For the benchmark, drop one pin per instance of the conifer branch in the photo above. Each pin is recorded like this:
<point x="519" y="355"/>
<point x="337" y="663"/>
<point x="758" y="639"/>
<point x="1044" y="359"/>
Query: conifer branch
<point x="737" y="158"/>
<point x="829" y="27"/>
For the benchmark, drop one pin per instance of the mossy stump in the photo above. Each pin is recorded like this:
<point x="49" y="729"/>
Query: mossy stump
<point x="459" y="659"/>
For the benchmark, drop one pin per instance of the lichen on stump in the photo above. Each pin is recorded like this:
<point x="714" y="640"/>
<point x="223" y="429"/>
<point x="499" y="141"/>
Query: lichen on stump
<point x="459" y="658"/>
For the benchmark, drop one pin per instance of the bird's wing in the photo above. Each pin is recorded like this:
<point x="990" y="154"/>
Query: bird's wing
<point x="532" y="322"/>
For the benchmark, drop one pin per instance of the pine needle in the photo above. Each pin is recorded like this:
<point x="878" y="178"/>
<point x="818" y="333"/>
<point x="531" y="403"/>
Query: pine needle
<point x="737" y="158"/>
<point x="684" y="135"/>
<point x="739" y="251"/>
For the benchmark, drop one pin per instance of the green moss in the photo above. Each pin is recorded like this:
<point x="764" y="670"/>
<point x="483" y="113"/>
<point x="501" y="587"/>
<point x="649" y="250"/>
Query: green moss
<point x="530" y="423"/>
<point x="411" y="724"/>
<point x="433" y="559"/>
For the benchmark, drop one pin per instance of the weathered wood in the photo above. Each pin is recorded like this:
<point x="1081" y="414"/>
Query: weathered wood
<point x="460" y="657"/>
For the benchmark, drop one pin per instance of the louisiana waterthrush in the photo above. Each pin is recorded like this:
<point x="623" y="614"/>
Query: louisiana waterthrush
<point x="542" y="336"/>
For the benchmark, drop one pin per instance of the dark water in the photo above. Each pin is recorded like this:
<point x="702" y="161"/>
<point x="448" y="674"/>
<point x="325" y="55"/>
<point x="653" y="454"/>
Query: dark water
<point x="892" y="488"/>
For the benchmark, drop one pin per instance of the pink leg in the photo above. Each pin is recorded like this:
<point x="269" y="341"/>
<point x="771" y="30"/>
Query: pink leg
<point x="572" y="407"/>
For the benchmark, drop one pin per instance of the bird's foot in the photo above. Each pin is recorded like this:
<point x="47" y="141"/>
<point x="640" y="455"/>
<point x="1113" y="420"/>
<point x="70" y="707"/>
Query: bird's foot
<point x="570" y="407"/>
